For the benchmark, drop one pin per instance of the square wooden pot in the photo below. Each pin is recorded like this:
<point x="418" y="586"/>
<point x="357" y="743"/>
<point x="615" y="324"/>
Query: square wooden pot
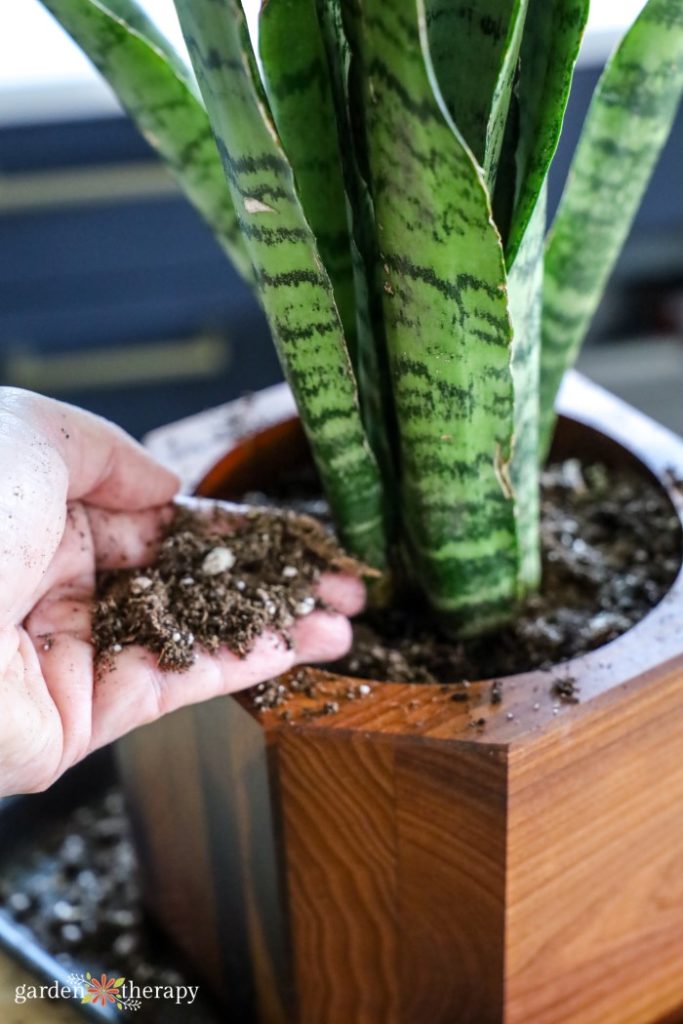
<point x="400" y="862"/>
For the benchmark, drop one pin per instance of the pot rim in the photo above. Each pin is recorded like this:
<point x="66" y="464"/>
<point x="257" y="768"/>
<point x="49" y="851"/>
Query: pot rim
<point x="652" y="646"/>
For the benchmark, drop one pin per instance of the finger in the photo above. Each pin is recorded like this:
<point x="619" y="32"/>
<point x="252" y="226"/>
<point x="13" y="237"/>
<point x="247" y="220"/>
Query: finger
<point x="66" y="610"/>
<point x="66" y="662"/>
<point x="71" y="572"/>
<point x="135" y="691"/>
<point x="33" y="486"/>
<point x="124" y="539"/>
<point x="60" y="627"/>
<point x="104" y="465"/>
<point x="321" y="637"/>
<point x="30" y="733"/>
<point x="343" y="593"/>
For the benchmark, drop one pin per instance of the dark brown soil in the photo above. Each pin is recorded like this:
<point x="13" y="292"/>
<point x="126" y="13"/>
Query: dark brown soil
<point x="217" y="580"/>
<point x="611" y="549"/>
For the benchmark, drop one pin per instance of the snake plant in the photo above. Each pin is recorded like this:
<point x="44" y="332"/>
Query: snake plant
<point x="377" y="172"/>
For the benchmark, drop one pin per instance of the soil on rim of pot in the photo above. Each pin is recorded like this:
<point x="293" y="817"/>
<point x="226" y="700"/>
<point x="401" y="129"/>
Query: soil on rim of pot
<point x="611" y="548"/>
<point x="217" y="579"/>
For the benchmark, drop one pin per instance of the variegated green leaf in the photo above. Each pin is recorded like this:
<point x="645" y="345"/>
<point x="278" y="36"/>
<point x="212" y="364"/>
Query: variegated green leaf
<point x="505" y="189"/>
<point x="298" y="88"/>
<point x="295" y="288"/>
<point x="525" y="290"/>
<point x="448" y="330"/>
<point x="552" y="37"/>
<point x="306" y="69"/>
<point x="474" y="51"/>
<point x="157" y="90"/>
<point x="626" y="127"/>
<point x="372" y="366"/>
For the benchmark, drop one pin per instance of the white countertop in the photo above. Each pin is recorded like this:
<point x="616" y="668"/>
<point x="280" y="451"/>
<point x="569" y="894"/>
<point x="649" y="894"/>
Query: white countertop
<point x="43" y="75"/>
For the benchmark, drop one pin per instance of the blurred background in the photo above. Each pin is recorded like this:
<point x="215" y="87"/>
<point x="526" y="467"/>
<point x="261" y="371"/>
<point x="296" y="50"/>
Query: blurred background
<point x="114" y="295"/>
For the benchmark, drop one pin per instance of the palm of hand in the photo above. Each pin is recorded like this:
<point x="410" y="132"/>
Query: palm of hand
<point x="78" y="496"/>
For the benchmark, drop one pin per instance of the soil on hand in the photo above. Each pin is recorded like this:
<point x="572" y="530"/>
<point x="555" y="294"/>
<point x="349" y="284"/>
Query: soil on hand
<point x="611" y="548"/>
<point x="217" y="580"/>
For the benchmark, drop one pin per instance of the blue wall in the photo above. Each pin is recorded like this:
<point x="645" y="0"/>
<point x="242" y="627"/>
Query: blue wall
<point x="97" y="276"/>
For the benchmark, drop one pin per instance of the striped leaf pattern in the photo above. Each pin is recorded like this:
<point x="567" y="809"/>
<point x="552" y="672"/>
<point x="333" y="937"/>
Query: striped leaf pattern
<point x="299" y="93"/>
<point x="157" y="90"/>
<point x="525" y="291"/>
<point x="447" y="325"/>
<point x="380" y="176"/>
<point x="474" y="50"/>
<point x="552" y="37"/>
<point x="626" y="127"/>
<point x="346" y="73"/>
<point x="296" y="291"/>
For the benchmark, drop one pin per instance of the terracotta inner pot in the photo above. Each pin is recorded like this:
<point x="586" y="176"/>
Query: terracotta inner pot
<point x="261" y="460"/>
<point x="257" y="462"/>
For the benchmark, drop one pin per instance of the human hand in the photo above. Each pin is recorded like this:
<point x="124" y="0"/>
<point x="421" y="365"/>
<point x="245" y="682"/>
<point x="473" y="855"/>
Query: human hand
<point x="76" y="495"/>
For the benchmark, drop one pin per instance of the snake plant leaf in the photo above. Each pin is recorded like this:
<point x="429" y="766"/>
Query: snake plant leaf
<point x="313" y="130"/>
<point x="448" y="330"/>
<point x="627" y="125"/>
<point x="339" y="38"/>
<point x="525" y="291"/>
<point x="474" y="51"/>
<point x="297" y="84"/>
<point x="552" y="37"/>
<point x="296" y="291"/>
<point x="157" y="90"/>
<point x="505" y="188"/>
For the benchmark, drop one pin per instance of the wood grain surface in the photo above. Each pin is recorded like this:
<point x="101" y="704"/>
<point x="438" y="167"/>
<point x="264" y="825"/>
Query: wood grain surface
<point x="595" y="865"/>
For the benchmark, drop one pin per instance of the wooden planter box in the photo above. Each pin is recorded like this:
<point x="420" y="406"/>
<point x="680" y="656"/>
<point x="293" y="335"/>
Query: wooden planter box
<point x="394" y="864"/>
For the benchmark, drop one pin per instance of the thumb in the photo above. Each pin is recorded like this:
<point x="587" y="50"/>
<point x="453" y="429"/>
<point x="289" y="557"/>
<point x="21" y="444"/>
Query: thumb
<point x="104" y="466"/>
<point x="33" y="485"/>
<point x="51" y="453"/>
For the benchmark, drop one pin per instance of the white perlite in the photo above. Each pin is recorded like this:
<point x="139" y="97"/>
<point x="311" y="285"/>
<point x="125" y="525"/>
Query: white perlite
<point x="218" y="560"/>
<point x="306" y="606"/>
<point x="140" y="583"/>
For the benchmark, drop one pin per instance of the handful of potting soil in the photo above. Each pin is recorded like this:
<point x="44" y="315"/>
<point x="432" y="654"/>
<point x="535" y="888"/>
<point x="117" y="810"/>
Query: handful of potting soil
<point x="223" y="576"/>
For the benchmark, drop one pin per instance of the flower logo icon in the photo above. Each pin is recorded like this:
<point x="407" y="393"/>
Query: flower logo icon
<point x="103" y="990"/>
